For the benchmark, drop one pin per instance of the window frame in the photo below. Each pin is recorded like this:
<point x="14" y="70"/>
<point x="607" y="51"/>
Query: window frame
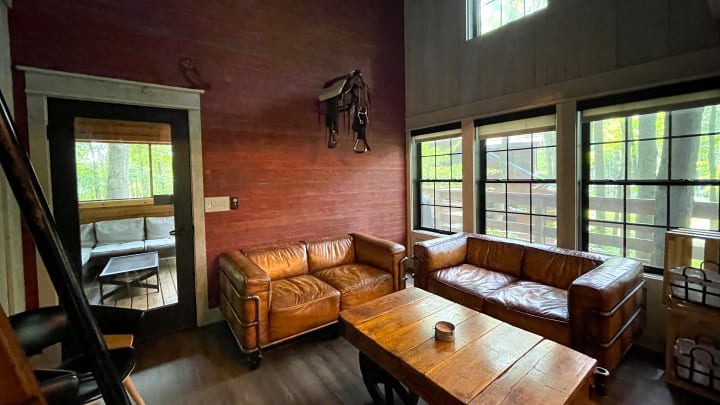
<point x="473" y="18"/>
<point x="119" y="201"/>
<point x="482" y="181"/>
<point x="418" y="181"/>
<point x="667" y="184"/>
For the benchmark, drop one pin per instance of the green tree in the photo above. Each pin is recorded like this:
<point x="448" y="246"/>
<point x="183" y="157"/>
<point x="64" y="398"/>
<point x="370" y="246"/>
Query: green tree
<point x="118" y="161"/>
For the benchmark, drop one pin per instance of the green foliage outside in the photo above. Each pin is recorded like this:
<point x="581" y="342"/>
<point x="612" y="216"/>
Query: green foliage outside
<point x="95" y="167"/>
<point x="442" y="159"/>
<point x="640" y="147"/>
<point x="495" y="13"/>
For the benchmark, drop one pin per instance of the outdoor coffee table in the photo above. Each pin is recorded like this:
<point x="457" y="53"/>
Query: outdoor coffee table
<point x="129" y="271"/>
<point x="490" y="361"/>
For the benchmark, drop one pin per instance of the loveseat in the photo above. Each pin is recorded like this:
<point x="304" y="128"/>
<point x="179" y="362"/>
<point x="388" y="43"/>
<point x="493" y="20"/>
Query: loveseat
<point x="273" y="294"/>
<point x="590" y="302"/>
<point x="105" y="239"/>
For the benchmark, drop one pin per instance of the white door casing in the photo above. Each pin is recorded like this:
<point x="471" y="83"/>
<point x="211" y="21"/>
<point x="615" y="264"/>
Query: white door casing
<point x="12" y="277"/>
<point x="41" y="84"/>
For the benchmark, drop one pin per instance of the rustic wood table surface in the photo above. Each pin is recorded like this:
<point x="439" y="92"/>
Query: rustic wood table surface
<point x="489" y="362"/>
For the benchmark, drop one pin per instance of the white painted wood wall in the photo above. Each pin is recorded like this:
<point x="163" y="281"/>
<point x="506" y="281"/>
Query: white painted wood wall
<point x="572" y="49"/>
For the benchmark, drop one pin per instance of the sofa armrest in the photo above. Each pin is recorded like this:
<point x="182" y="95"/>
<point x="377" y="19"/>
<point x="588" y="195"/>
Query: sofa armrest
<point x="247" y="277"/>
<point x="380" y="253"/>
<point x="438" y="253"/>
<point x="245" y="299"/>
<point x="604" y="301"/>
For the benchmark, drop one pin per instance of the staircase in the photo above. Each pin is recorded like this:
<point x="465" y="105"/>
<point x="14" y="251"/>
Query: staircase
<point x="62" y="272"/>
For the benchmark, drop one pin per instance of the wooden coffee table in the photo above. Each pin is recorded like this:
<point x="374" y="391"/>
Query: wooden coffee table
<point x="490" y="361"/>
<point x="129" y="271"/>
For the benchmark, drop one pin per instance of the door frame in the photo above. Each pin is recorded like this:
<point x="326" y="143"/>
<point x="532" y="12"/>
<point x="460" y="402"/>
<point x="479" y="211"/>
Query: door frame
<point x="12" y="275"/>
<point x="62" y="114"/>
<point x="40" y="84"/>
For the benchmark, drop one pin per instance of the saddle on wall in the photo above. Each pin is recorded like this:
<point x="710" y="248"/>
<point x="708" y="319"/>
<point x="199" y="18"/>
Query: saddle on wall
<point x="351" y="95"/>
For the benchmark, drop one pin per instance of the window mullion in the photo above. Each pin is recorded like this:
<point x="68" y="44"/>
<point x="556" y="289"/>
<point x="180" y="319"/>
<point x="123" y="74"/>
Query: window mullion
<point x="668" y="120"/>
<point x="150" y="162"/>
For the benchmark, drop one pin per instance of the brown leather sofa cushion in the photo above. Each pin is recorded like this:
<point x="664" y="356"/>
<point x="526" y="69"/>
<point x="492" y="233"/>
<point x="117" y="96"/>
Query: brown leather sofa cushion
<point x="467" y="284"/>
<point x="357" y="283"/>
<point x="499" y="255"/>
<point x="555" y="266"/>
<point x="535" y="307"/>
<point x="281" y="261"/>
<point x="301" y="303"/>
<point x="329" y="252"/>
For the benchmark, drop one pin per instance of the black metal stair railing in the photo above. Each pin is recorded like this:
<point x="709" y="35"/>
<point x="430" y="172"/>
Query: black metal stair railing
<point x="35" y="210"/>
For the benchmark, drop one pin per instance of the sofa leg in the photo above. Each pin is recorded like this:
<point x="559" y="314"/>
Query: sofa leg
<point x="600" y="377"/>
<point x="254" y="359"/>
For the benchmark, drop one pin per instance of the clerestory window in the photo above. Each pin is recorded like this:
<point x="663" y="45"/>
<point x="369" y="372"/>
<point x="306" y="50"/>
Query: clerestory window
<point x="487" y="15"/>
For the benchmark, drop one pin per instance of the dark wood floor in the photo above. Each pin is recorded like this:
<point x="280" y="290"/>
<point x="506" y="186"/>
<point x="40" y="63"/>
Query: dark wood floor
<point x="204" y="366"/>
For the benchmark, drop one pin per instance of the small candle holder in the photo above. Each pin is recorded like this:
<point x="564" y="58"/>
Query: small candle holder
<point x="445" y="331"/>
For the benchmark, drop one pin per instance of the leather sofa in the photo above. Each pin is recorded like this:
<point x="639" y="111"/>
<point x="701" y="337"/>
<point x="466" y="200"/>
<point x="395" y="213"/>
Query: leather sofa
<point x="273" y="294"/>
<point x="590" y="302"/>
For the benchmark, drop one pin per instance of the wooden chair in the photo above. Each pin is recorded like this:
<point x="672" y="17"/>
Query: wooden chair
<point x="41" y="328"/>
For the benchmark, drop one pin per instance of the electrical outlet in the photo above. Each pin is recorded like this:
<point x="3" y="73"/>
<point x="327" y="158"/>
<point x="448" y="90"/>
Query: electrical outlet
<point x="215" y="204"/>
<point x="233" y="203"/>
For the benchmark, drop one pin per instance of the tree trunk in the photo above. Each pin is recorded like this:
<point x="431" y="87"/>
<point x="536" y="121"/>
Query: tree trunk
<point x="599" y="163"/>
<point x="711" y="146"/>
<point x="684" y="161"/>
<point x="646" y="166"/>
<point x="647" y="160"/>
<point x="118" y="171"/>
<point x="95" y="182"/>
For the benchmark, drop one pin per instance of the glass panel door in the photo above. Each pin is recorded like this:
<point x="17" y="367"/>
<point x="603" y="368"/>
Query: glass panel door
<point x="124" y="173"/>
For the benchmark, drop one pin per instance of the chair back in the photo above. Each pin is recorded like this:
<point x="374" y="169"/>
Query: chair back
<point x="40" y="328"/>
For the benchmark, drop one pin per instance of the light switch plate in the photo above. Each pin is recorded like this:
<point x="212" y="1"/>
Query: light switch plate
<point x="215" y="204"/>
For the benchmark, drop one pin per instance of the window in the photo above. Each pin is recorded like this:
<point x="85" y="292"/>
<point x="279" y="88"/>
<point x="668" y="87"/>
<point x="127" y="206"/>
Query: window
<point x="438" y="205"/>
<point x="518" y="184"/>
<point x="647" y="172"/>
<point x="487" y="15"/>
<point x="117" y="171"/>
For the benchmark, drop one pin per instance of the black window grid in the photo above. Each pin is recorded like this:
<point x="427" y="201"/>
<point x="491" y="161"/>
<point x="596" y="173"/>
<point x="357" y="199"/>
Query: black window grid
<point x="421" y="181"/>
<point x="624" y="183"/>
<point x="484" y="180"/>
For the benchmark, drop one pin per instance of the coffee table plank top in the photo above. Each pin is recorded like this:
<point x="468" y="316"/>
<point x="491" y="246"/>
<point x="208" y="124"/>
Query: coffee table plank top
<point x="432" y="352"/>
<point x="383" y="305"/>
<point x="471" y="369"/>
<point x="545" y="375"/>
<point x="489" y="362"/>
<point x="400" y="340"/>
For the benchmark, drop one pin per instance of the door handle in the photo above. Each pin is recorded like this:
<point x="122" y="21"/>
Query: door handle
<point x="183" y="231"/>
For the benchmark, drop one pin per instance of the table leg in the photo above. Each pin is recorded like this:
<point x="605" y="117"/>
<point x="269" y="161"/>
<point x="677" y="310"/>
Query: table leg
<point x="102" y="296"/>
<point x="374" y="376"/>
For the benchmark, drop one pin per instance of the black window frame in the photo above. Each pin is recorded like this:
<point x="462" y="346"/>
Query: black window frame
<point x="417" y="181"/>
<point x="482" y="181"/>
<point x="586" y="182"/>
<point x="481" y="174"/>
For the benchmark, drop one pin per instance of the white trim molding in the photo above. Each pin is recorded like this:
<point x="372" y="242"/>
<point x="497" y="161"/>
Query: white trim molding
<point x="12" y="275"/>
<point x="41" y="84"/>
